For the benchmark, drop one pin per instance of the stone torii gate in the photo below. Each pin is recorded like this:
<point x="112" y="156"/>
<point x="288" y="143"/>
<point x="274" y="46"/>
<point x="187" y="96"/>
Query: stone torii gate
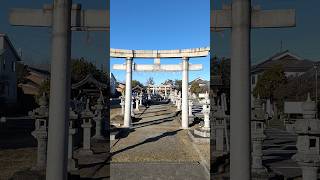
<point x="185" y="67"/>
<point x="63" y="17"/>
<point x="241" y="18"/>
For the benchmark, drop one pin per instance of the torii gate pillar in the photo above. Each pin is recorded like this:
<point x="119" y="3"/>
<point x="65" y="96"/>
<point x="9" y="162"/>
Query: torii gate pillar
<point x="241" y="19"/>
<point x="185" y="102"/>
<point x="127" y="110"/>
<point x="63" y="18"/>
<point x="59" y="96"/>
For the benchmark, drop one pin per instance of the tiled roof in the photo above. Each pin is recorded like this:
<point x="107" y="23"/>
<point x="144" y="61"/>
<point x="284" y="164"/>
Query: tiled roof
<point x="289" y="61"/>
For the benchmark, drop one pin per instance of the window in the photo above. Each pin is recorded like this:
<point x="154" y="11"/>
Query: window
<point x="312" y="143"/>
<point x="13" y="66"/>
<point x="253" y="79"/>
<point x="4" y="64"/>
<point x="259" y="125"/>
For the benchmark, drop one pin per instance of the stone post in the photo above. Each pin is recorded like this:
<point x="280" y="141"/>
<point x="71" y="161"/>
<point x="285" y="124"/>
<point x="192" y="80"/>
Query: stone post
<point x="190" y="107"/>
<point x="99" y="117"/>
<point x="41" y="131"/>
<point x="122" y="103"/>
<point x="137" y="103"/>
<point x="178" y="104"/>
<point x="72" y="163"/>
<point x="206" y="112"/>
<point x="132" y="111"/>
<point x="128" y="97"/>
<point x="185" y="103"/>
<point x="86" y="116"/>
<point x="140" y="99"/>
<point x="308" y="143"/>
<point x="165" y="92"/>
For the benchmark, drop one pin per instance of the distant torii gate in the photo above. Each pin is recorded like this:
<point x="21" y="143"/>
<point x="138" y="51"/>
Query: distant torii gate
<point x="185" y="67"/>
<point x="241" y="18"/>
<point x="63" y="17"/>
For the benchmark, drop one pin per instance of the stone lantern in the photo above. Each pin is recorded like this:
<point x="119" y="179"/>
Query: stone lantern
<point x="308" y="130"/>
<point x="220" y="140"/>
<point x="86" y="116"/>
<point x="99" y="107"/>
<point x="137" y="103"/>
<point x="257" y="138"/>
<point x="41" y="115"/>
<point x="72" y="163"/>
<point x="204" y="131"/>
<point x="132" y="102"/>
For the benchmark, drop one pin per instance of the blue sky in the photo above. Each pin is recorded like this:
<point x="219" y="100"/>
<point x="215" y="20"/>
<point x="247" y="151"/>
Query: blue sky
<point x="35" y="43"/>
<point x="302" y="40"/>
<point x="165" y="24"/>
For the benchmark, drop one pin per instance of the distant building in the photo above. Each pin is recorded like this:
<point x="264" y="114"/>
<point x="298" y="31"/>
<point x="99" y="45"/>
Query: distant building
<point x="113" y="84"/>
<point x="33" y="80"/>
<point x="292" y="64"/>
<point x="8" y="77"/>
<point x="202" y="82"/>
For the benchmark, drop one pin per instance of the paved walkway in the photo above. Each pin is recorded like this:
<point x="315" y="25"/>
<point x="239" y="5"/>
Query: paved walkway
<point x="156" y="148"/>
<point x="278" y="149"/>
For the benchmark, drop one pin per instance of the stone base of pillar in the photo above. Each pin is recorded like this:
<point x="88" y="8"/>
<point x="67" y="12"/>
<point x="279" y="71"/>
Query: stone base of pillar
<point x="198" y="139"/>
<point x="98" y="137"/>
<point x="203" y="132"/>
<point x="261" y="174"/>
<point x="85" y="152"/>
<point x="72" y="165"/>
<point x="38" y="168"/>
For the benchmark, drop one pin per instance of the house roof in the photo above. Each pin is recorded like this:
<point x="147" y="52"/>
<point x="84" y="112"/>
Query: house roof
<point x="38" y="71"/>
<point x="200" y="81"/>
<point x="289" y="61"/>
<point x="11" y="46"/>
<point x="137" y="87"/>
<point x="89" y="79"/>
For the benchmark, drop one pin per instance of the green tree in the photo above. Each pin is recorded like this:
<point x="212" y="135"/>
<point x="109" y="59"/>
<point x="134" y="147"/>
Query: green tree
<point x="44" y="88"/>
<point x="178" y="84"/>
<point x="269" y="83"/>
<point x="22" y="72"/>
<point x="136" y="83"/>
<point x="80" y="68"/>
<point x="195" y="88"/>
<point x="168" y="81"/>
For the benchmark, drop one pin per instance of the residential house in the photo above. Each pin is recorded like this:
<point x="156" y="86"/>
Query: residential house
<point x="8" y="78"/>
